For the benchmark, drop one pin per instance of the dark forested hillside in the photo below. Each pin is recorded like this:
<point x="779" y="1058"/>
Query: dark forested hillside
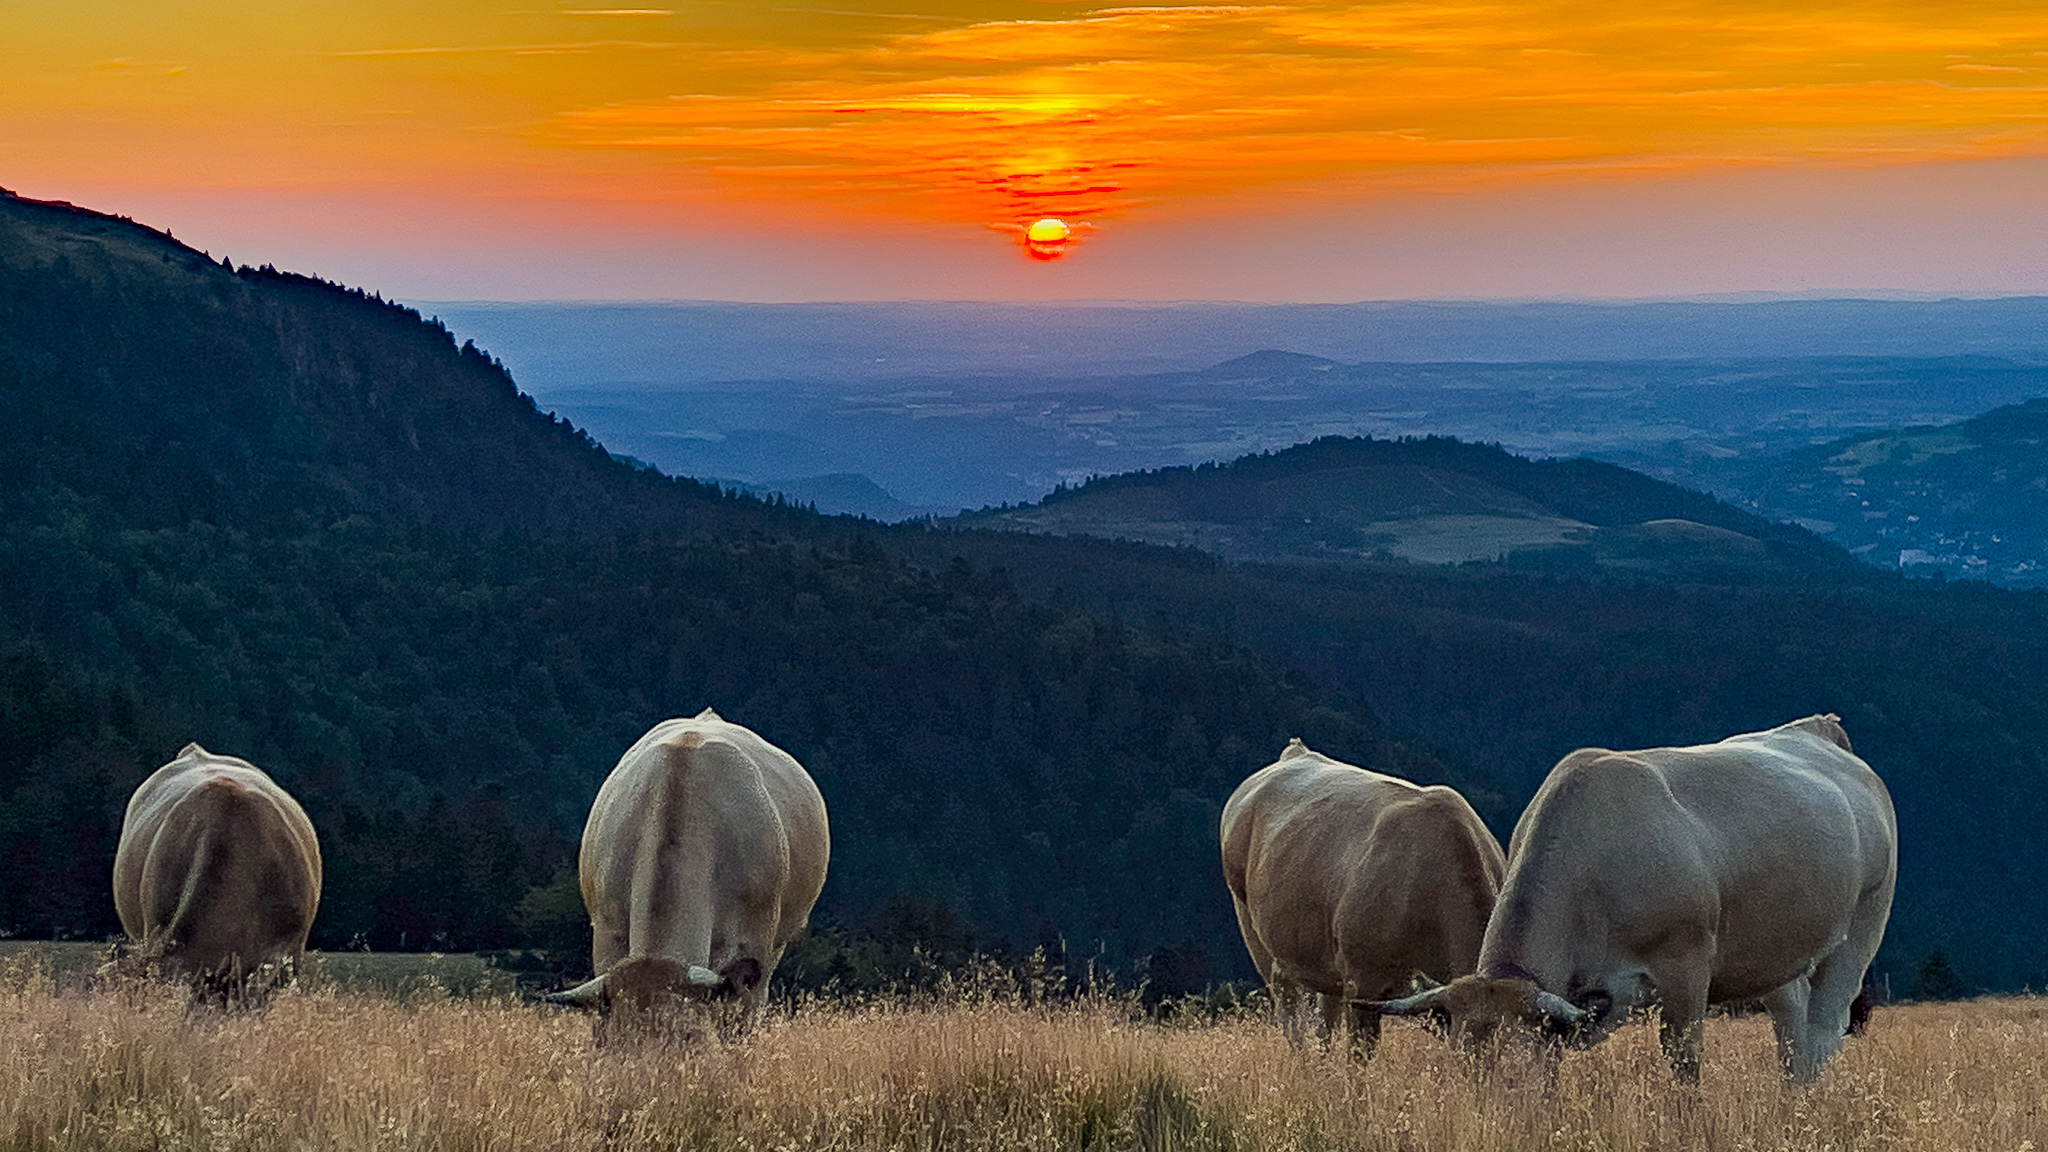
<point x="174" y="389"/>
<point x="299" y="524"/>
<point x="1499" y="673"/>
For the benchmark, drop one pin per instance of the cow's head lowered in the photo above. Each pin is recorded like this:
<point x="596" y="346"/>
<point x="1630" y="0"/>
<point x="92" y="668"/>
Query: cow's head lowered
<point x="1477" y="1010"/>
<point x="647" y="983"/>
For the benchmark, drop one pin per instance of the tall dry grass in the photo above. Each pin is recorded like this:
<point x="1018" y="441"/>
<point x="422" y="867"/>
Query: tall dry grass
<point x="128" y="1067"/>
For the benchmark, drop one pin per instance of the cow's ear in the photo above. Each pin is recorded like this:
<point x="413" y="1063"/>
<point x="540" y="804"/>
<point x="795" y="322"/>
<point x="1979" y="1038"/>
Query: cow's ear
<point x="742" y="975"/>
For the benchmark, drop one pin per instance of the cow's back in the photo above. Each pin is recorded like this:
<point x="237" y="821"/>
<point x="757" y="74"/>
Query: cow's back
<point x="1754" y="853"/>
<point x="705" y="842"/>
<point x="1422" y="893"/>
<point x="1803" y="840"/>
<point x="1347" y="880"/>
<point x="218" y="869"/>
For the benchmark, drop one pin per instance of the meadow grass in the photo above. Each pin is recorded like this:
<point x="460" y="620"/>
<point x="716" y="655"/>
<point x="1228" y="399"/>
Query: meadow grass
<point x="375" y="973"/>
<point x="128" y="1066"/>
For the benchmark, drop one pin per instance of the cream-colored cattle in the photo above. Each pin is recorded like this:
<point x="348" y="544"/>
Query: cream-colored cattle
<point x="705" y="849"/>
<point x="217" y="876"/>
<point x="1349" y="883"/>
<point x="1758" y="868"/>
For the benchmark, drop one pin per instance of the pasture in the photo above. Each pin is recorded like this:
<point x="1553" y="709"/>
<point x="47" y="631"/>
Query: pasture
<point x="388" y="974"/>
<point x="128" y="1066"/>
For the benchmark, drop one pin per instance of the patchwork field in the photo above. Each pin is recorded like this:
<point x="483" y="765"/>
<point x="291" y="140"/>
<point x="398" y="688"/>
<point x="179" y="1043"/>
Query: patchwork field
<point x="130" y="1067"/>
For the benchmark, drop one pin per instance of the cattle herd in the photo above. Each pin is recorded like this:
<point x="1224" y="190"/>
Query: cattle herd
<point x="1759" y="868"/>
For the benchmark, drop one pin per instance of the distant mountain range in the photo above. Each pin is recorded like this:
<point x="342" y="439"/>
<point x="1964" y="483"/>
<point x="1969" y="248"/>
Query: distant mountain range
<point x="689" y="345"/>
<point x="1761" y="432"/>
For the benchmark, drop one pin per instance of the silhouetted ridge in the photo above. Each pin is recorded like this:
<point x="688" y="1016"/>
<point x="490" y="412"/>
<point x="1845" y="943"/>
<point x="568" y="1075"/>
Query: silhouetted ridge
<point x="1598" y="494"/>
<point x="1271" y="362"/>
<point x="192" y="391"/>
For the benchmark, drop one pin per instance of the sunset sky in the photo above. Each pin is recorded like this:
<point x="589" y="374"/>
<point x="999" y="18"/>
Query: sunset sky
<point x="734" y="149"/>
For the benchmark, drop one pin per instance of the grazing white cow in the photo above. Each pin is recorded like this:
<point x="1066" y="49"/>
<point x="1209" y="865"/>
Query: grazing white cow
<point x="1758" y="868"/>
<point x="705" y="849"/>
<point x="1349" y="883"/>
<point x="217" y="876"/>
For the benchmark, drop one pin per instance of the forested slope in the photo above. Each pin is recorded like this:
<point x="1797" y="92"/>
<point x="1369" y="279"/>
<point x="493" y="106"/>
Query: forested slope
<point x="299" y="525"/>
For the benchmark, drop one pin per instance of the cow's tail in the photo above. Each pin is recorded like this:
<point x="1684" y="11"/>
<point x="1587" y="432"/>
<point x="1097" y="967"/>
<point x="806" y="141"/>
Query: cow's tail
<point x="669" y="910"/>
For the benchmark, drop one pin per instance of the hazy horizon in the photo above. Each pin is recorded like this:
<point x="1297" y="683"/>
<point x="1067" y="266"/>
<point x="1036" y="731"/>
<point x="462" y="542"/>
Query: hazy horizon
<point x="551" y="346"/>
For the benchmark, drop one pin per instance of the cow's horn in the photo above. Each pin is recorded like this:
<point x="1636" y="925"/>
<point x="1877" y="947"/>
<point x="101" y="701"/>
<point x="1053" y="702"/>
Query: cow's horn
<point x="1558" y="1008"/>
<point x="1405" y="1006"/>
<point x="589" y="994"/>
<point x="703" y="977"/>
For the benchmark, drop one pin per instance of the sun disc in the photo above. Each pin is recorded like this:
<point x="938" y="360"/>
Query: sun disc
<point x="1050" y="230"/>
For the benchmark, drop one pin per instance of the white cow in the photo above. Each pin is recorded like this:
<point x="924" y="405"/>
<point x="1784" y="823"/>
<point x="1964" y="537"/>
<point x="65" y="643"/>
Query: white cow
<point x="1758" y="868"/>
<point x="217" y="876"/>
<point x="705" y="849"/>
<point x="1350" y="883"/>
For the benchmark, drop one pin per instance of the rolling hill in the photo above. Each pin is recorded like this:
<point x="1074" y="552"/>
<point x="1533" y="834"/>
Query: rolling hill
<point x="1341" y="500"/>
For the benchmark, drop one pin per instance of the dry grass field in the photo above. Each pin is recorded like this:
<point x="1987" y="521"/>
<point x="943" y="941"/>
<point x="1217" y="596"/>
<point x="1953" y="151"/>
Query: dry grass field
<point x="371" y="973"/>
<point x="128" y="1067"/>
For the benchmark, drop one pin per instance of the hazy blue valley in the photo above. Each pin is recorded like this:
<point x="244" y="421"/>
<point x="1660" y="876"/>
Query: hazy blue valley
<point x="896" y="411"/>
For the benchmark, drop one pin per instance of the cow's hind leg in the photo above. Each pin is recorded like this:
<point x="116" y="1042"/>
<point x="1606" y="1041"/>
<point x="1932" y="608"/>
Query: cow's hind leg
<point x="1837" y="984"/>
<point x="1288" y="1005"/>
<point x="1789" y="1007"/>
<point x="1332" y="1015"/>
<point x="1828" y="998"/>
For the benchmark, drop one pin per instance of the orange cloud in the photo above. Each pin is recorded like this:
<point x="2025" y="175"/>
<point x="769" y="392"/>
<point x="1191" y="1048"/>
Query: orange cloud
<point x="999" y="112"/>
<point x="1101" y="111"/>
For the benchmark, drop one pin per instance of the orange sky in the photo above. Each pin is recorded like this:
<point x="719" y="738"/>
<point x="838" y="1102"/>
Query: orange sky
<point x="815" y="148"/>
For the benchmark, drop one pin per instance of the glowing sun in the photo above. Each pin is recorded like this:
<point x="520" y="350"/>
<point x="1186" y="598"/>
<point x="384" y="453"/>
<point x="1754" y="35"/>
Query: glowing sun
<point x="1047" y="238"/>
<point x="1048" y="231"/>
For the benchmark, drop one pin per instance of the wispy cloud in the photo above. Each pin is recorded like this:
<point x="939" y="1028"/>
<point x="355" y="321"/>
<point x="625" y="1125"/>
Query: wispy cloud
<point x="579" y="46"/>
<point x="1097" y="111"/>
<point x="996" y="111"/>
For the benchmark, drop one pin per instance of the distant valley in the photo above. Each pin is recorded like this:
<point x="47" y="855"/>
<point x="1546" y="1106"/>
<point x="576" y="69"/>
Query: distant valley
<point x="938" y="445"/>
<point x="902" y="411"/>
<point x="1967" y="499"/>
